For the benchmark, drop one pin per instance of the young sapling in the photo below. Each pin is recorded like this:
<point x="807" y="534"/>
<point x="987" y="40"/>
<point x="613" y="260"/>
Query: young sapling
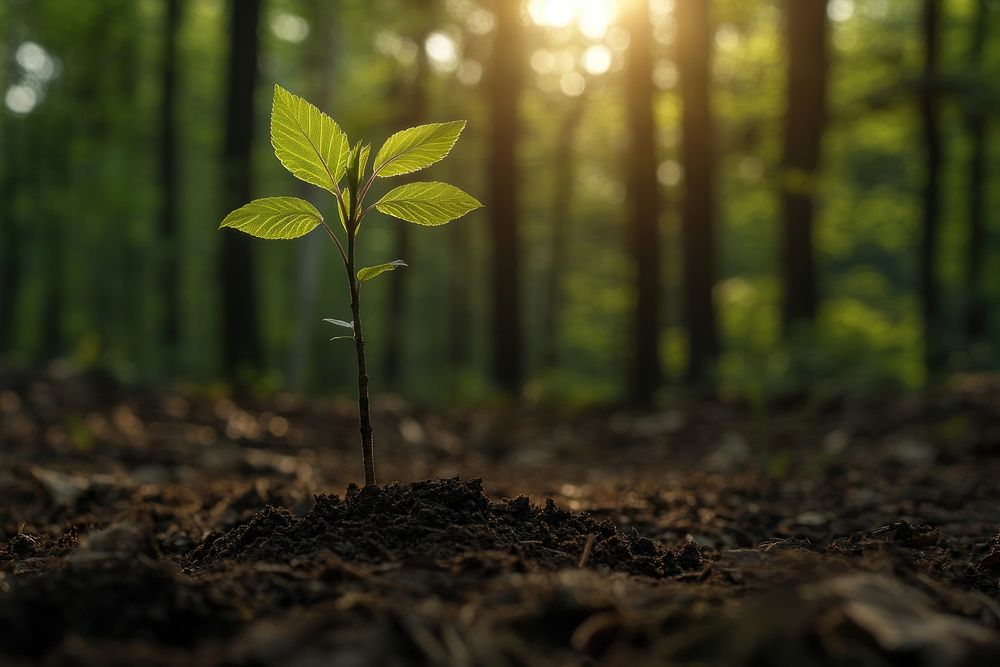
<point x="313" y="148"/>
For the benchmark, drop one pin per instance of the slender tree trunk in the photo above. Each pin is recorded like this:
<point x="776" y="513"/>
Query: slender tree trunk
<point x="10" y="244"/>
<point x="503" y="94"/>
<point x="806" y="31"/>
<point x="169" y="185"/>
<point x="395" y="334"/>
<point x="459" y="305"/>
<point x="240" y="336"/>
<point x="54" y="308"/>
<point x="976" y="315"/>
<point x="10" y="273"/>
<point x="320" y="64"/>
<point x="643" y="205"/>
<point x="413" y="113"/>
<point x="694" y="56"/>
<point x="47" y="174"/>
<point x="118" y="60"/>
<point x="564" y="165"/>
<point x="930" y="113"/>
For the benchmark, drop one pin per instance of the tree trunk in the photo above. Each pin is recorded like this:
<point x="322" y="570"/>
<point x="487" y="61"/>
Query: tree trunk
<point x="10" y="242"/>
<point x="10" y="273"/>
<point x="10" y="246"/>
<point x="976" y="315"/>
<point x="503" y="93"/>
<point x="169" y="247"/>
<point x="460" y="310"/>
<point x="643" y="205"/>
<point x="240" y="336"/>
<point x="413" y="113"/>
<point x="564" y="165"/>
<point x="806" y="31"/>
<point x="694" y="54"/>
<point x="930" y="113"/>
<point x="46" y="174"/>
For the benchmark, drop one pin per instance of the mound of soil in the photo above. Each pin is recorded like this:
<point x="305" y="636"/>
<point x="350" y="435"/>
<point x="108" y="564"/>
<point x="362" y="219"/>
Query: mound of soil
<point x="446" y="522"/>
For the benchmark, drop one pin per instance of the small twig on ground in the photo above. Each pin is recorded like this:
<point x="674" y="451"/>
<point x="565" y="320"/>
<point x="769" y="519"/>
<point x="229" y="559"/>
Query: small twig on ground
<point x="587" y="548"/>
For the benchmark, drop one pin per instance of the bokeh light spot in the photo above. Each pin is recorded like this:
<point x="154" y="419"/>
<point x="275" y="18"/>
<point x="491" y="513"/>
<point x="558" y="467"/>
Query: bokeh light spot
<point x="289" y="27"/>
<point x="21" y="99"/>
<point x="597" y="59"/>
<point x="572" y="84"/>
<point x="442" y="51"/>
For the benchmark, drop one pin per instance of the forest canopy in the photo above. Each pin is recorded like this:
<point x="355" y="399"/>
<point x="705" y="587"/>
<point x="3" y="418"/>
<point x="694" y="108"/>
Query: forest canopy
<point x="752" y="198"/>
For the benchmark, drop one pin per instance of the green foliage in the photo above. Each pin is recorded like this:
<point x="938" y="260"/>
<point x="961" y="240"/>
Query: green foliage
<point x="308" y="142"/>
<point x="416" y="148"/>
<point x="82" y="193"/>
<point x="370" y="272"/>
<point x="359" y="159"/>
<point x="428" y="204"/>
<point x="275" y="218"/>
<point x="313" y="148"/>
<point x="344" y="212"/>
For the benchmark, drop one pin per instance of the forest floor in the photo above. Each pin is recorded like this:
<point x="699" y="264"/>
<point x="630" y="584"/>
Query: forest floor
<point x="161" y="529"/>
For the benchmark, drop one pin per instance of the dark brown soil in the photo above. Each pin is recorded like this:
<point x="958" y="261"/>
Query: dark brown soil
<point x="446" y="524"/>
<point x="170" y="529"/>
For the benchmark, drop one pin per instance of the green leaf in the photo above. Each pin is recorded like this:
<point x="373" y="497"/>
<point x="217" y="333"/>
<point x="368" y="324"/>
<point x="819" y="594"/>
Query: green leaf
<point x="359" y="159"/>
<point x="366" y="150"/>
<point x="347" y="203"/>
<point x="427" y="203"/>
<point x="355" y="170"/>
<point x="342" y="338"/>
<point x="308" y="142"/>
<point x="370" y="272"/>
<point x="416" y="148"/>
<point x="340" y="323"/>
<point x="275" y="218"/>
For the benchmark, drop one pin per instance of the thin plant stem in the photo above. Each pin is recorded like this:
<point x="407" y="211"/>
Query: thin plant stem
<point x="364" y="409"/>
<point x="336" y="241"/>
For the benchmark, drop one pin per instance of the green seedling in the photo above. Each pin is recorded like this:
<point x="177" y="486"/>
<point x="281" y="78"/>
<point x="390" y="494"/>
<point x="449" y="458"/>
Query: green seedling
<point x="314" y="149"/>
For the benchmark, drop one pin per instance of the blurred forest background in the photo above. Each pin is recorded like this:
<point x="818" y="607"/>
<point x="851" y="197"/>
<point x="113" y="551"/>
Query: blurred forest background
<point x="749" y="198"/>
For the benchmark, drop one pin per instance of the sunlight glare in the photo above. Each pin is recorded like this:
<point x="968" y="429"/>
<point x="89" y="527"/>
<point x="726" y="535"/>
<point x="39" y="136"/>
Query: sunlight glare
<point x="597" y="59"/>
<point x="552" y="13"/>
<point x="593" y="17"/>
<point x="442" y="51"/>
